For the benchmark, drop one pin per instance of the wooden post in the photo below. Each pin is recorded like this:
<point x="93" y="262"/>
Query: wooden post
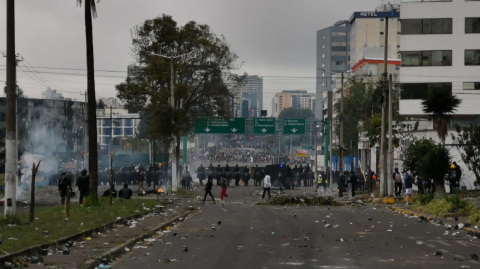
<point x="67" y="203"/>
<point x="32" y="192"/>
<point x="111" y="178"/>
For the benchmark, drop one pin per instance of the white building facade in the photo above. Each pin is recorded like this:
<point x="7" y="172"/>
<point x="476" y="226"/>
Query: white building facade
<point x="440" y="52"/>
<point x="123" y="124"/>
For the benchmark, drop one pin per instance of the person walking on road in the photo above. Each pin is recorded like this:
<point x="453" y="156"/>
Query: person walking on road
<point x="83" y="184"/>
<point x="223" y="183"/>
<point x="267" y="184"/>
<point x="408" y="186"/>
<point x="208" y="190"/>
<point x="63" y="185"/>
<point x="397" y="177"/>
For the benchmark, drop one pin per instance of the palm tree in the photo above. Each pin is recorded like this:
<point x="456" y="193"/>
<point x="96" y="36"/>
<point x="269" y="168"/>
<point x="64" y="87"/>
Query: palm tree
<point x="439" y="104"/>
<point x="91" y="11"/>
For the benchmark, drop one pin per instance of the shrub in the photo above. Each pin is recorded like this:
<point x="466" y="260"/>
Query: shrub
<point x="444" y="205"/>
<point x="423" y="199"/>
<point x="475" y="216"/>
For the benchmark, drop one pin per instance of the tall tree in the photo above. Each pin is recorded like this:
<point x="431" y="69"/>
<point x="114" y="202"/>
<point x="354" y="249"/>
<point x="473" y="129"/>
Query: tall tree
<point x="440" y="104"/>
<point x="203" y="79"/>
<point x="100" y="104"/>
<point x="91" y="12"/>
<point x="435" y="165"/>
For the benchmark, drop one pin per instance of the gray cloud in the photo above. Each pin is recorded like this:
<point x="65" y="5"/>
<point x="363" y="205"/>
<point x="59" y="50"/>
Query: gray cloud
<point x="272" y="37"/>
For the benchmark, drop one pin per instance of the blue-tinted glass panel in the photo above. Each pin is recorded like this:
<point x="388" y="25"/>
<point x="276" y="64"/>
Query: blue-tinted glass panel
<point x="128" y="131"/>
<point x="118" y="131"/>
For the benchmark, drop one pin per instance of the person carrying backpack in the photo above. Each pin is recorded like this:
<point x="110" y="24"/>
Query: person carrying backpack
<point x="397" y="178"/>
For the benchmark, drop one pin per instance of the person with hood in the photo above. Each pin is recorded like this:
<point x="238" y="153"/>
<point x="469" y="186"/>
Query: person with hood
<point x="211" y="171"/>
<point x="83" y="184"/>
<point x="237" y="177"/>
<point x="237" y="169"/>
<point x="227" y="168"/>
<point x="353" y="181"/>
<point x="201" y="174"/>
<point x="125" y="193"/>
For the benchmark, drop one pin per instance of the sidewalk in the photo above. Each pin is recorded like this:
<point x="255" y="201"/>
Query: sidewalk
<point x="86" y="253"/>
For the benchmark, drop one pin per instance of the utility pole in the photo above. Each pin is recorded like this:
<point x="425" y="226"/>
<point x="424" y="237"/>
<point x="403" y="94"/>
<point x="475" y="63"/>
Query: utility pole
<point x="290" y="149"/>
<point x="111" y="156"/>
<point x="384" y="149"/>
<point x="315" y="141"/>
<point x="330" y="134"/>
<point x="341" y="129"/>
<point x="391" y="188"/>
<point x="85" y="132"/>
<point x="11" y="166"/>
<point x="172" y="103"/>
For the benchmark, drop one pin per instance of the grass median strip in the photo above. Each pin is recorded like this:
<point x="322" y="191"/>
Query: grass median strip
<point x="21" y="235"/>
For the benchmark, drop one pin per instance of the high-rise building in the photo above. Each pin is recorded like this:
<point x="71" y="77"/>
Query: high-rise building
<point x="333" y="45"/>
<point x="252" y="90"/>
<point x="441" y="52"/>
<point x="292" y="98"/>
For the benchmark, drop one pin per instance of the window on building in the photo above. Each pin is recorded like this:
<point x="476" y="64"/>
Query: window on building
<point x="106" y="122"/>
<point x="421" y="90"/>
<point x="106" y="131"/>
<point x="338" y="63"/>
<point x="128" y="122"/>
<point x="117" y="131"/>
<point x="470" y="86"/>
<point x="426" y="26"/>
<point x="323" y="46"/>
<point x="381" y="33"/>
<point x="128" y="131"/>
<point x="106" y="140"/>
<point x="323" y="55"/>
<point x="339" y="33"/>
<point x="343" y="44"/>
<point x="323" y="37"/>
<point x="427" y="58"/>
<point x="472" y="25"/>
<point x="472" y="57"/>
<point x="323" y="65"/>
<point x="339" y="53"/>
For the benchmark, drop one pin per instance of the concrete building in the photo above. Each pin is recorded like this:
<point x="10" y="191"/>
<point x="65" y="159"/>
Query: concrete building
<point x="52" y="95"/>
<point x="441" y="52"/>
<point x="47" y="126"/>
<point x="252" y="90"/>
<point x="367" y="33"/>
<point x="292" y="98"/>
<point x="112" y="102"/>
<point x="124" y="124"/>
<point x="333" y="45"/>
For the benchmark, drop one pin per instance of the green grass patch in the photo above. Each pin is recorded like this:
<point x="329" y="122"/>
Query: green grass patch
<point x="52" y="219"/>
<point x="422" y="199"/>
<point x="475" y="216"/>
<point x="443" y="205"/>
<point x="182" y="192"/>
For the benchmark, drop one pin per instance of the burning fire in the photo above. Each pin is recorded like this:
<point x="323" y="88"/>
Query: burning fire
<point x="160" y="190"/>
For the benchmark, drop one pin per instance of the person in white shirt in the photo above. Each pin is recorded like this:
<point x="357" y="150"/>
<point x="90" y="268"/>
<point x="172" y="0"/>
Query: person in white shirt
<point x="266" y="185"/>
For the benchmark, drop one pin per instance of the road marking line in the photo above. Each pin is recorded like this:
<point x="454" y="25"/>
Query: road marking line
<point x="441" y="242"/>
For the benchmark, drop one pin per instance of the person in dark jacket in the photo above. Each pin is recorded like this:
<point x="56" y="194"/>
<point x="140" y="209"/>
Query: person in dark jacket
<point x="353" y="180"/>
<point x="83" y="184"/>
<point x="125" y="193"/>
<point x="227" y="168"/>
<point x="458" y="175"/>
<point x="63" y="185"/>
<point x="237" y="177"/>
<point x="246" y="176"/>
<point x="106" y="193"/>
<point x="201" y="174"/>
<point x="208" y="190"/>
<point x="341" y="185"/>
<point x="237" y="169"/>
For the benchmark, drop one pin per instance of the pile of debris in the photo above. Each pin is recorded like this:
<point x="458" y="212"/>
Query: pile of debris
<point x="305" y="199"/>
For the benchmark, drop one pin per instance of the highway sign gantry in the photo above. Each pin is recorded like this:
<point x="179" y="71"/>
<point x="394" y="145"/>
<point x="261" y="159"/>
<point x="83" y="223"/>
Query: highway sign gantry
<point x="294" y="126"/>
<point x="219" y="126"/>
<point x="264" y="125"/>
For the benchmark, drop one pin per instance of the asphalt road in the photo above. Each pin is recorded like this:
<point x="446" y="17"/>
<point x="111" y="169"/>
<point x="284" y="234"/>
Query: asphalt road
<point x="252" y="236"/>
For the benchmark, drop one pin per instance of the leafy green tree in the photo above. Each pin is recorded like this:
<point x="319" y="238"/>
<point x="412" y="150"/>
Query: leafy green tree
<point x="91" y="11"/>
<point x="203" y="78"/>
<point x="374" y="130"/>
<point x="467" y="142"/>
<point x="413" y="154"/>
<point x="435" y="165"/>
<point x="100" y="104"/>
<point x="296" y="113"/>
<point x="440" y="104"/>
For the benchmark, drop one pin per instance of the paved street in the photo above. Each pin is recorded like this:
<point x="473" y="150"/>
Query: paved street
<point x="252" y="236"/>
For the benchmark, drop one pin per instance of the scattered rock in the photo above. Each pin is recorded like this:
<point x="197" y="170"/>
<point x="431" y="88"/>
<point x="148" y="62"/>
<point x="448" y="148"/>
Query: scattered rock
<point x="437" y="253"/>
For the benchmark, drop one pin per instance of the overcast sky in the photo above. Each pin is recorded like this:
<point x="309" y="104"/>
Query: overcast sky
<point x="271" y="37"/>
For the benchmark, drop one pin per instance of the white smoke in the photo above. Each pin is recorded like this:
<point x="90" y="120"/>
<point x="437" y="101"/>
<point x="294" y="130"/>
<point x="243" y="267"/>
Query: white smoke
<point x="47" y="166"/>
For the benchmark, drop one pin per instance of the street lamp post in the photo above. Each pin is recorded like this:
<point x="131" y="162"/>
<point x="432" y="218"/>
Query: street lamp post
<point x="172" y="103"/>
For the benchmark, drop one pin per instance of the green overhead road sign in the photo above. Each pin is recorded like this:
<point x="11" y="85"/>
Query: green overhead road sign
<point x="264" y="125"/>
<point x="219" y="126"/>
<point x="294" y="126"/>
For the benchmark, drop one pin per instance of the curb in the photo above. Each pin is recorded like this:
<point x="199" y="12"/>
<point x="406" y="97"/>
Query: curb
<point x="119" y="249"/>
<point x="35" y="250"/>
<point x="429" y="218"/>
